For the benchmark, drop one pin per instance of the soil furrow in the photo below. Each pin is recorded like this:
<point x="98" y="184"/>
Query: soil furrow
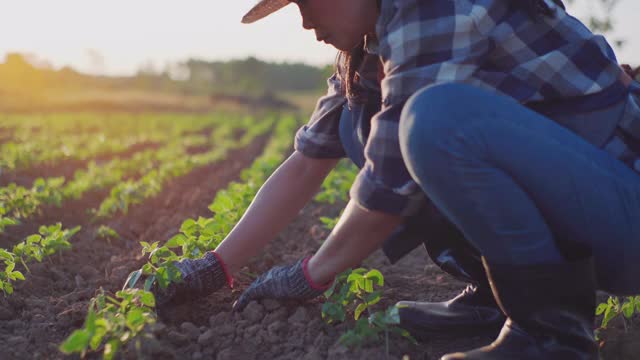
<point x="52" y="301"/>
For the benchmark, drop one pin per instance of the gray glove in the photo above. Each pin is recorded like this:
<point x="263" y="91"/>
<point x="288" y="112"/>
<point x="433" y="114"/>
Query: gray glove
<point x="283" y="283"/>
<point x="200" y="277"/>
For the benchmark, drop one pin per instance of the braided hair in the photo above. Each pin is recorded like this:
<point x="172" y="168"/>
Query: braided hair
<point x="350" y="61"/>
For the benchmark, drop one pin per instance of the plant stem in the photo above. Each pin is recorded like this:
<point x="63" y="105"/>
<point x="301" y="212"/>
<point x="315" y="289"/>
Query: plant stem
<point x="25" y="265"/>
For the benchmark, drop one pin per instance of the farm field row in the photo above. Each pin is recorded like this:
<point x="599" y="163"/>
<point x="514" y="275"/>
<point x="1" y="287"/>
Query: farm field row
<point x="131" y="179"/>
<point x="203" y="164"/>
<point x="141" y="208"/>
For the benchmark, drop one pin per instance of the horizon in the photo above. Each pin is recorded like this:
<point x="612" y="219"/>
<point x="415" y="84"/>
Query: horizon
<point x="91" y="44"/>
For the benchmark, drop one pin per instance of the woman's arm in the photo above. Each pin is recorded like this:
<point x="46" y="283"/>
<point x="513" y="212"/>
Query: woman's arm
<point x="358" y="233"/>
<point x="277" y="202"/>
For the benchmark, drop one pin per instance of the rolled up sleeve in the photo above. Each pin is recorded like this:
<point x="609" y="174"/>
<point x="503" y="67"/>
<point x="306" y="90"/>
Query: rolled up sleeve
<point x="320" y="137"/>
<point x="384" y="183"/>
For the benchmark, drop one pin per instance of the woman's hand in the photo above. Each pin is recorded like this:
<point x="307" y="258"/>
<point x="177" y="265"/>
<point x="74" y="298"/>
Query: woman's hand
<point x="282" y="282"/>
<point x="200" y="277"/>
<point x="358" y="233"/>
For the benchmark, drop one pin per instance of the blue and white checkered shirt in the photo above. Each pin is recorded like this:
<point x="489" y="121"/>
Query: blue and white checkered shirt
<point x="485" y="43"/>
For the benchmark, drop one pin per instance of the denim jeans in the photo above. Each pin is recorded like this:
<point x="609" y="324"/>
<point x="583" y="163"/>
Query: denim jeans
<point x="522" y="188"/>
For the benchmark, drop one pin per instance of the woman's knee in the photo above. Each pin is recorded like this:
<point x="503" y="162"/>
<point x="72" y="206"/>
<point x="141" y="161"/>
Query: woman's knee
<point x="434" y="114"/>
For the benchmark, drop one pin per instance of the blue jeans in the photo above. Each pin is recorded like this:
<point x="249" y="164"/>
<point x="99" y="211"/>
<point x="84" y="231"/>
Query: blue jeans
<point x="522" y="188"/>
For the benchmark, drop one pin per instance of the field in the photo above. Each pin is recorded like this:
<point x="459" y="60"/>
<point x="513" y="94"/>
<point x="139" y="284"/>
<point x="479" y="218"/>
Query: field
<point x="83" y="194"/>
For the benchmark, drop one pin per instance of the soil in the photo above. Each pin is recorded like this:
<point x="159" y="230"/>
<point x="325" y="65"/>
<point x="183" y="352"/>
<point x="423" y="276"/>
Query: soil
<point x="52" y="303"/>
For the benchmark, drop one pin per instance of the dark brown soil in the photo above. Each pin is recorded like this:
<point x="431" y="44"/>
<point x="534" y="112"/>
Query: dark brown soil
<point x="52" y="302"/>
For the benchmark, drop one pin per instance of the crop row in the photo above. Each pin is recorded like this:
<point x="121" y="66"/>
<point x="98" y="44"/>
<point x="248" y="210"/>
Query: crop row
<point x="177" y="164"/>
<point x="49" y="241"/>
<point x="17" y="202"/>
<point x="114" y="321"/>
<point x="148" y="171"/>
<point x="49" y="139"/>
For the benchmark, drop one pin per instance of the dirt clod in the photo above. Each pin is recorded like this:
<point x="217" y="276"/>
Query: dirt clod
<point x="300" y="316"/>
<point x="178" y="338"/>
<point x="254" y="312"/>
<point x="190" y="330"/>
<point x="205" y="338"/>
<point x="5" y="314"/>
<point x="270" y="305"/>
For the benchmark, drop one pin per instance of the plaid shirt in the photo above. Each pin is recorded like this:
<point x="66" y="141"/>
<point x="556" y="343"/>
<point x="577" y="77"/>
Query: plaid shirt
<point x="484" y="43"/>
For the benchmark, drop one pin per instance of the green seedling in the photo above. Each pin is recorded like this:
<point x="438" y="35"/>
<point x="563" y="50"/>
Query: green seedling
<point x="17" y="202"/>
<point x="358" y="291"/>
<point x="6" y="221"/>
<point x="352" y="288"/>
<point x="106" y="233"/>
<point x="112" y="322"/>
<point x="50" y="240"/>
<point x="615" y="308"/>
<point x="8" y="275"/>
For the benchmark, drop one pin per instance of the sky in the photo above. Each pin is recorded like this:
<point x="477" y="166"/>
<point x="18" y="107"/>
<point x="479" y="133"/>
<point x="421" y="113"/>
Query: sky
<point x="117" y="37"/>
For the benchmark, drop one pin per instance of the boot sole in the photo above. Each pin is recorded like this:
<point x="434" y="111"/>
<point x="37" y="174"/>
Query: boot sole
<point x="424" y="334"/>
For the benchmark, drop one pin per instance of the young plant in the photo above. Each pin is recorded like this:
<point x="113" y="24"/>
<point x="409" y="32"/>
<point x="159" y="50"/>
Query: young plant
<point x="112" y="322"/>
<point x="50" y="240"/>
<point x="614" y="308"/>
<point x="8" y="275"/>
<point x="352" y="288"/>
<point x="160" y="267"/>
<point x="6" y="221"/>
<point x="106" y="233"/>
<point x="358" y="291"/>
<point x="17" y="202"/>
<point x="369" y="329"/>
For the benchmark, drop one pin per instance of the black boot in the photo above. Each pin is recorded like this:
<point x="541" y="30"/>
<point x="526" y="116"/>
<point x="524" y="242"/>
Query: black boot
<point x="472" y="311"/>
<point x="551" y="312"/>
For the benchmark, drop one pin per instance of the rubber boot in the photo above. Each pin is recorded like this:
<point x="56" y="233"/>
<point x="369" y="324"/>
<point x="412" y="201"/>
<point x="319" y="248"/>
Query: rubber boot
<point x="472" y="311"/>
<point x="551" y="312"/>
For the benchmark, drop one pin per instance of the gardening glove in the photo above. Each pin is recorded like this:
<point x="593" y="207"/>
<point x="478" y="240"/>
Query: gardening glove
<point x="200" y="277"/>
<point x="284" y="283"/>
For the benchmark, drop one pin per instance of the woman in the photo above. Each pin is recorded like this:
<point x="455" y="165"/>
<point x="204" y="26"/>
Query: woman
<point x="506" y="138"/>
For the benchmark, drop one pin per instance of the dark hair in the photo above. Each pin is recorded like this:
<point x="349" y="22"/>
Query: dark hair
<point x="348" y="62"/>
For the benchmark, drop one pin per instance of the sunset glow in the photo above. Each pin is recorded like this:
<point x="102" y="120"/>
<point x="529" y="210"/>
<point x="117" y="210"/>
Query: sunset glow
<point x="117" y="37"/>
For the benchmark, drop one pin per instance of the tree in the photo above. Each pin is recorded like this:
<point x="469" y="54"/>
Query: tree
<point x="600" y="18"/>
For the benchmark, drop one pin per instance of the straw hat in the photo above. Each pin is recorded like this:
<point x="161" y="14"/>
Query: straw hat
<point x="264" y="8"/>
